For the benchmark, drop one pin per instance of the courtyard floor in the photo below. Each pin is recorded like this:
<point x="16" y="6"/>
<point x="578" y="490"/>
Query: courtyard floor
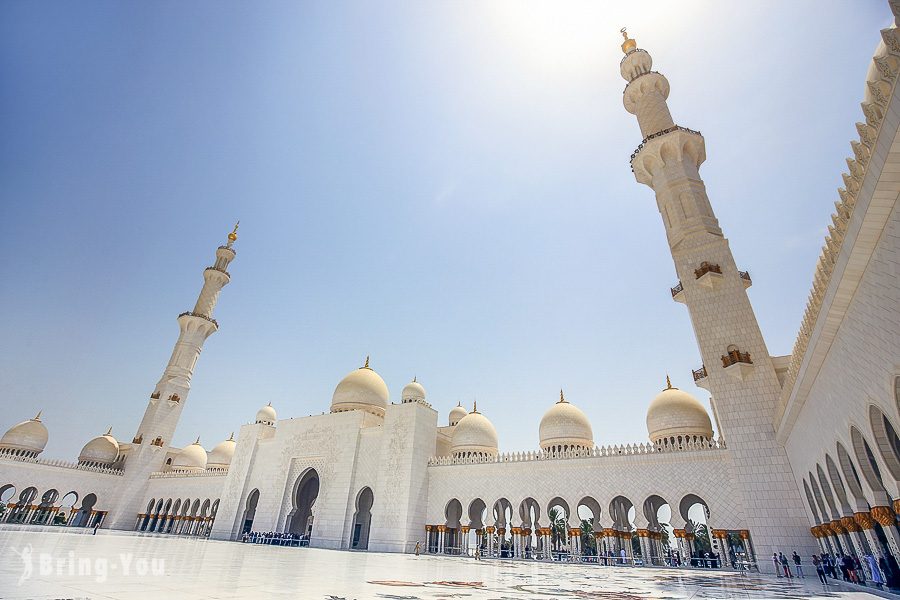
<point x="39" y="563"/>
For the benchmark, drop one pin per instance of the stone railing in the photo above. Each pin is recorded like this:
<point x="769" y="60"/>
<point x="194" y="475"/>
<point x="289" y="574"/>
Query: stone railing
<point x="193" y="314"/>
<point x="700" y="373"/>
<point x="596" y="452"/>
<point x="745" y="275"/>
<point x="228" y="248"/>
<point x="62" y="464"/>
<point x="181" y="474"/>
<point x="880" y="90"/>
<point x="656" y="135"/>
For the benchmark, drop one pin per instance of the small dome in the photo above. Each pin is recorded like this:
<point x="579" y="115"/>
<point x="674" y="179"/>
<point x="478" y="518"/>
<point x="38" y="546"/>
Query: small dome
<point x="564" y="426"/>
<point x="474" y="435"/>
<point x="191" y="458"/>
<point x="674" y="413"/>
<point x="413" y="392"/>
<point x="220" y="456"/>
<point x="361" y="389"/>
<point x="266" y="415"/>
<point x="103" y="449"/>
<point x="456" y="414"/>
<point x="28" y="437"/>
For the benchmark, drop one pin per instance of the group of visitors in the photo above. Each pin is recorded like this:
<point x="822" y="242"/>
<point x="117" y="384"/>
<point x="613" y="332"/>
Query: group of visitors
<point x="783" y="565"/>
<point x="880" y="572"/>
<point x="274" y="538"/>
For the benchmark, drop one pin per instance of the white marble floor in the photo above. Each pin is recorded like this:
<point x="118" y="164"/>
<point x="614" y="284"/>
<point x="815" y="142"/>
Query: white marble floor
<point x="45" y="564"/>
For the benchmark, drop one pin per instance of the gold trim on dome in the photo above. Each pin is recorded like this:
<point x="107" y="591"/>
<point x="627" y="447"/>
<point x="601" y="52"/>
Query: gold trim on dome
<point x="629" y="44"/>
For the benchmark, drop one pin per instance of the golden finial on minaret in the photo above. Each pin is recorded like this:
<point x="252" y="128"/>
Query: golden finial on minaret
<point x="366" y="366"/>
<point x="475" y="405"/>
<point x="629" y="44"/>
<point x="233" y="235"/>
<point x="561" y="397"/>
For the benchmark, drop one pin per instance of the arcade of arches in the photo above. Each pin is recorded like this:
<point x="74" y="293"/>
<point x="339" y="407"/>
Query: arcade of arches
<point x="559" y="530"/>
<point x="178" y="517"/>
<point x="33" y="507"/>
<point x="849" y="491"/>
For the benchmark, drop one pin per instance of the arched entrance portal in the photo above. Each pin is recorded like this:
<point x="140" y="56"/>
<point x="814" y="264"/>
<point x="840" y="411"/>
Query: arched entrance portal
<point x="362" y="520"/>
<point x="250" y="512"/>
<point x="300" y="521"/>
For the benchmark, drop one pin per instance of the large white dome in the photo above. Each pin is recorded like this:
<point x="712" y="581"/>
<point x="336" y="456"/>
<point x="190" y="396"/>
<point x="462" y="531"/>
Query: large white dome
<point x="413" y="392"/>
<point x="565" y="427"/>
<point x="27" y="438"/>
<point x="221" y="455"/>
<point x="474" y="435"/>
<point x="103" y="449"/>
<point x="676" y="415"/>
<point x="191" y="458"/>
<point x="361" y="389"/>
<point x="266" y="415"/>
<point x="457" y="413"/>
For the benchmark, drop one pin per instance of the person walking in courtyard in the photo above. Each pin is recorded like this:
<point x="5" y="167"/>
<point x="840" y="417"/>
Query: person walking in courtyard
<point x="784" y="565"/>
<point x="877" y="578"/>
<point x="418" y="547"/>
<point x="797" y="566"/>
<point x="820" y="569"/>
<point x="777" y="564"/>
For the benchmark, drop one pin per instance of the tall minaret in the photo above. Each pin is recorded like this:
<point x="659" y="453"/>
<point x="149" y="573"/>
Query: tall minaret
<point x="167" y="400"/>
<point x="155" y="432"/>
<point x="739" y="371"/>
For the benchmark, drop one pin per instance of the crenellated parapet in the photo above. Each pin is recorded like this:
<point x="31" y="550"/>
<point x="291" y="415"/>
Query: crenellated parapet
<point x="596" y="452"/>
<point x="879" y="91"/>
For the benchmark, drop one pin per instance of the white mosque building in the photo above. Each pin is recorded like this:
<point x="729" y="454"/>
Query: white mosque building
<point x="808" y="456"/>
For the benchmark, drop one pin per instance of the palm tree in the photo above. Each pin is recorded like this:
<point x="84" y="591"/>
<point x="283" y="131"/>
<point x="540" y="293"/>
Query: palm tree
<point x="557" y="527"/>
<point x="664" y="534"/>
<point x="587" y="536"/>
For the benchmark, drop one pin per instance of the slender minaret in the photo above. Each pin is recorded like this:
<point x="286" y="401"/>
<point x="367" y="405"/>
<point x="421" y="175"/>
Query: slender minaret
<point x="738" y="369"/>
<point x="167" y="400"/>
<point x="155" y="432"/>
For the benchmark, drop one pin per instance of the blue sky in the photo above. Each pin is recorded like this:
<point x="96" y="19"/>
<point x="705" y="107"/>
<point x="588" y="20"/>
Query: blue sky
<point x="441" y="185"/>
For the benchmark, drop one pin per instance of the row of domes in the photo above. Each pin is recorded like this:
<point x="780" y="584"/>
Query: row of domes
<point x="673" y="415"/>
<point x="29" y="438"/>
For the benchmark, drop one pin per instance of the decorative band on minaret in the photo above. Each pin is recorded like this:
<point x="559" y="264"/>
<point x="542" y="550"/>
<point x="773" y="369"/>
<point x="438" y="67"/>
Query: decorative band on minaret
<point x="167" y="399"/>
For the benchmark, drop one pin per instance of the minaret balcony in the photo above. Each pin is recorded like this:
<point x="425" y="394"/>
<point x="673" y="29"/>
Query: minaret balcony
<point x="678" y="293"/>
<point x="745" y="278"/>
<point x="709" y="275"/>
<point x="701" y="377"/>
<point x="217" y="273"/>
<point x="737" y="364"/>
<point x="193" y="314"/>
